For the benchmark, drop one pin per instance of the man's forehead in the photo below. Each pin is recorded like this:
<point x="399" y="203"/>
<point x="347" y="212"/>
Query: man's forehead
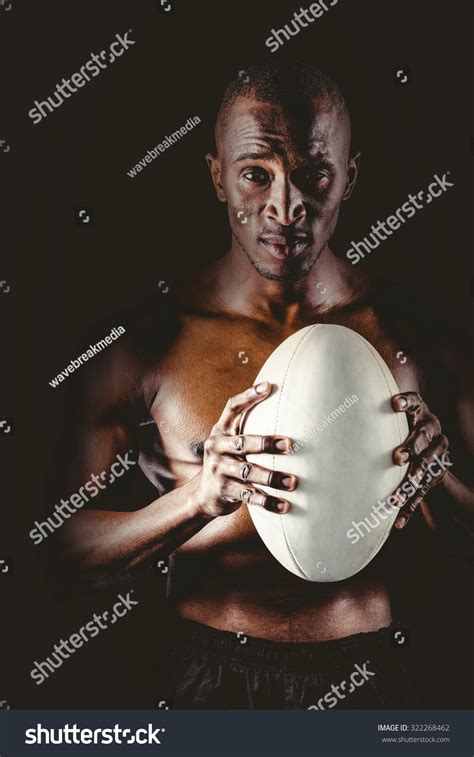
<point x="317" y="126"/>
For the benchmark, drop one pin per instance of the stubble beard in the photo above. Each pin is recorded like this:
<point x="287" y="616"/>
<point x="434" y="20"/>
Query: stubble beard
<point x="288" y="276"/>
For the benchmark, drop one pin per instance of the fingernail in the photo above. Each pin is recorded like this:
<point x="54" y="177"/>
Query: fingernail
<point x="282" y="507"/>
<point x="288" y="482"/>
<point x="401" y="521"/>
<point x="402" y="401"/>
<point x="282" y="445"/>
<point x="403" y="456"/>
<point x="262" y="388"/>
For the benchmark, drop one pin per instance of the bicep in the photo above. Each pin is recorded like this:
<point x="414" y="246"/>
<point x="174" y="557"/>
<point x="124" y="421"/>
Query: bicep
<point x="97" y="430"/>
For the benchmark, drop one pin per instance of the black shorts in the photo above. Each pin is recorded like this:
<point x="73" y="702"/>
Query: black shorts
<point x="202" y="667"/>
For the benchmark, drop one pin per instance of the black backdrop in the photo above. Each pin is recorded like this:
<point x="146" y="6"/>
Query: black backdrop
<point x="66" y="278"/>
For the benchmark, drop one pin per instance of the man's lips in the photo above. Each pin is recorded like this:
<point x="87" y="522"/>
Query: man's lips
<point x="283" y="248"/>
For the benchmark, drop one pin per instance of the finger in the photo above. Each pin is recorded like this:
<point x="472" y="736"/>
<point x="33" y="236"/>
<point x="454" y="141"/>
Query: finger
<point x="407" y="511"/>
<point x="240" y="403"/>
<point x="427" y="462"/>
<point x="419" y="440"/>
<point x="426" y="475"/>
<point x="247" y="444"/>
<point x="249" y="495"/>
<point x="410" y="403"/>
<point x="256" y="474"/>
<point x="407" y="504"/>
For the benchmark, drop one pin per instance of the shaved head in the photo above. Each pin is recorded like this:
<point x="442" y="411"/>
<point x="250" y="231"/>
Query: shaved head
<point x="291" y="85"/>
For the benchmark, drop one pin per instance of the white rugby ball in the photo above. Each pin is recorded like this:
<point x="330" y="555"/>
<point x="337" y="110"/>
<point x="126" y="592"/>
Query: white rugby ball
<point x="332" y="397"/>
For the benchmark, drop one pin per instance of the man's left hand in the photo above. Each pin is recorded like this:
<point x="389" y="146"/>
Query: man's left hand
<point x="426" y="448"/>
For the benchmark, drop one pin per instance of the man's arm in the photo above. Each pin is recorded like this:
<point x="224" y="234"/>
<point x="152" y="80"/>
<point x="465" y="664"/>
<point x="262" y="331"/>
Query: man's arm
<point x="103" y="546"/>
<point x="442" y="451"/>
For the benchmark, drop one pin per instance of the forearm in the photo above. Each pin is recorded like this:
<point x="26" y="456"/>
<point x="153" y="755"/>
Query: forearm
<point x="460" y="494"/>
<point x="451" y="504"/>
<point x="103" y="546"/>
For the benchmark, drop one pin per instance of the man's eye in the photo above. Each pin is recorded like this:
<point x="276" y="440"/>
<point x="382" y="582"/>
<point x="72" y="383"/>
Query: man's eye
<point x="316" y="176"/>
<point x="256" y="175"/>
<point x="312" y="179"/>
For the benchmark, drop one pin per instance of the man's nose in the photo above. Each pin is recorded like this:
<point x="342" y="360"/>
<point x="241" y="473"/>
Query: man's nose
<point x="284" y="205"/>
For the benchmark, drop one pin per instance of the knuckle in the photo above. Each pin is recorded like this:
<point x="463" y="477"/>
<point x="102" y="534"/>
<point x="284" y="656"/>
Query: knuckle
<point x="248" y="495"/>
<point x="420" y="447"/>
<point x="423" y="465"/>
<point x="430" y="426"/>
<point x="262" y="499"/>
<point x="245" y="471"/>
<point x="273" y="478"/>
<point x="418" y="474"/>
<point x="222" y="486"/>
<point x="238" y="442"/>
<point x="209" y="445"/>
<point x="266" y="444"/>
<point x="410" y="398"/>
<point x="427" y="423"/>
<point x="427" y="457"/>
<point x="444" y="441"/>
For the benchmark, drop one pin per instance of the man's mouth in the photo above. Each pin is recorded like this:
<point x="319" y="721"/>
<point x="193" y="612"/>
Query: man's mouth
<point x="283" y="248"/>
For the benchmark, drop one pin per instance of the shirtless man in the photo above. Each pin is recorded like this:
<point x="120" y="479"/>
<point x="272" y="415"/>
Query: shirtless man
<point x="283" y="164"/>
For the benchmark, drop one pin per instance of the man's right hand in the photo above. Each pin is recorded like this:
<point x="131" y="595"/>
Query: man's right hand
<point x="226" y="479"/>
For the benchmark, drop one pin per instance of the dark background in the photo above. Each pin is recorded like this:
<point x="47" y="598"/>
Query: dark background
<point x="66" y="279"/>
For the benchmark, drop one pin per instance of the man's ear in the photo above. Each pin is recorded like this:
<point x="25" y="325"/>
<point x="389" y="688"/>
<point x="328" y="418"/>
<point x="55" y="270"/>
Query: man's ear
<point x="352" y="173"/>
<point x="215" y="168"/>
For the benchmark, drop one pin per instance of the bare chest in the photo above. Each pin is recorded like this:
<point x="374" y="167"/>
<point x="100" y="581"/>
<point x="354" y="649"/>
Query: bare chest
<point x="212" y="360"/>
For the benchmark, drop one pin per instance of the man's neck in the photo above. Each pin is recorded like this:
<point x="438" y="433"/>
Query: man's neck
<point x="237" y="285"/>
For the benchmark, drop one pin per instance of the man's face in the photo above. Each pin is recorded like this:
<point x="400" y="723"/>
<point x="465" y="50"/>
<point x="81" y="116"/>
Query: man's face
<point x="284" y="175"/>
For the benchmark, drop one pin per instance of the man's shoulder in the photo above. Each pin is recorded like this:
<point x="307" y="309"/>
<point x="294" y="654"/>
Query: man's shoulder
<point x="123" y="364"/>
<point x="434" y="338"/>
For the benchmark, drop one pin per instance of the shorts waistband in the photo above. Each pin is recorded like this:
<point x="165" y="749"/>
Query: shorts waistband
<point x="189" y="636"/>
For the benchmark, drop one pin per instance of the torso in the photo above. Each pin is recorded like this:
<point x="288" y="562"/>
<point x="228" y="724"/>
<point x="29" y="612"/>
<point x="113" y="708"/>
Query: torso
<point x="224" y="576"/>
